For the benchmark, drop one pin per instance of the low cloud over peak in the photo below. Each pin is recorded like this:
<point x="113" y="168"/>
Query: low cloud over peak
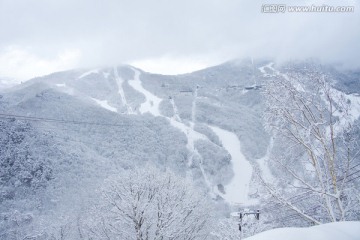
<point x="196" y="33"/>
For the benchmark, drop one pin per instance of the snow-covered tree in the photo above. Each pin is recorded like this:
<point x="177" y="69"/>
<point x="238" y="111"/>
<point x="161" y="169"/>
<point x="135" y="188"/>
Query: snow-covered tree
<point x="313" y="123"/>
<point x="150" y="204"/>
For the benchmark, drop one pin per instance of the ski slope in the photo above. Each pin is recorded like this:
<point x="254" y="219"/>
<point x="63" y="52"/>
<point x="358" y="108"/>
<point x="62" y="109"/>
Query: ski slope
<point x="152" y="102"/>
<point x="237" y="190"/>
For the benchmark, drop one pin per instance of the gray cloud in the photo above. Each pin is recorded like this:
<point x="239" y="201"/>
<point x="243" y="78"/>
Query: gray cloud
<point x="117" y="31"/>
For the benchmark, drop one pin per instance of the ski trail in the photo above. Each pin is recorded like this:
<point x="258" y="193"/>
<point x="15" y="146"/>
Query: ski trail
<point x="193" y="109"/>
<point x="237" y="190"/>
<point x="104" y="104"/>
<point x="207" y="182"/>
<point x="176" y="112"/>
<point x="195" y="152"/>
<point x="264" y="72"/>
<point x="152" y="102"/>
<point x="191" y="136"/>
<point x="264" y="164"/>
<point x="60" y="85"/>
<point x="119" y="82"/>
<point x="296" y="84"/>
<point x="88" y="73"/>
<point x="253" y="72"/>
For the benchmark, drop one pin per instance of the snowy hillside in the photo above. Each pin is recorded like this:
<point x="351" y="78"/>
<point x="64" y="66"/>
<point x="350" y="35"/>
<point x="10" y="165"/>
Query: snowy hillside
<point x="330" y="231"/>
<point x="63" y="135"/>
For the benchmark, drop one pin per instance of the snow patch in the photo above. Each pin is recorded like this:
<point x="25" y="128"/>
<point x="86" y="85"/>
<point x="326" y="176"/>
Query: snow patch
<point x="237" y="190"/>
<point x="106" y="74"/>
<point x="104" y="104"/>
<point x="66" y="89"/>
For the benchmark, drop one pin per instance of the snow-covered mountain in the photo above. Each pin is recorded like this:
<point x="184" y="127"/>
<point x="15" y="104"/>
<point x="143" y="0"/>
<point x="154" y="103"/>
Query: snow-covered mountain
<point x="63" y="134"/>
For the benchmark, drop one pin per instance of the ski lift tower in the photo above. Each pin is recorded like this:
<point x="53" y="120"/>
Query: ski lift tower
<point x="242" y="214"/>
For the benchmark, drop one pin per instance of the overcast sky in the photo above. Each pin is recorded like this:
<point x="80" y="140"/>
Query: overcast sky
<point x="167" y="36"/>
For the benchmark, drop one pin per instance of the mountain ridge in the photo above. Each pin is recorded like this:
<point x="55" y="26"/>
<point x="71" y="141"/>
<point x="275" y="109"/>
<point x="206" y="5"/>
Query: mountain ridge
<point x="96" y="122"/>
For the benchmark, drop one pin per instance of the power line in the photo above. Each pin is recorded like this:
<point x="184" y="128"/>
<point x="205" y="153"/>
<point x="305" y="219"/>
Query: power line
<point x="43" y="119"/>
<point x="76" y="122"/>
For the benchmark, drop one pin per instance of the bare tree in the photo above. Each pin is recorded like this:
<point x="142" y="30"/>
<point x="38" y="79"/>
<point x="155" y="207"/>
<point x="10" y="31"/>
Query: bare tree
<point x="149" y="204"/>
<point x="312" y="121"/>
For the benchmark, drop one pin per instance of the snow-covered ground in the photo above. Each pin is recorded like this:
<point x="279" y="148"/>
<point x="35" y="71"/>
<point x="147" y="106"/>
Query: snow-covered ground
<point x="104" y="104"/>
<point x="106" y="74"/>
<point x="60" y="85"/>
<point x="152" y="102"/>
<point x="330" y="231"/>
<point x="237" y="190"/>
<point x="65" y="88"/>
